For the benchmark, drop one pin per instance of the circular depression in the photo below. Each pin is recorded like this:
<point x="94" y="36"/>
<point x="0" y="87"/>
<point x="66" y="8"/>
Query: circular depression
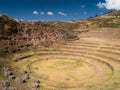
<point x="62" y="72"/>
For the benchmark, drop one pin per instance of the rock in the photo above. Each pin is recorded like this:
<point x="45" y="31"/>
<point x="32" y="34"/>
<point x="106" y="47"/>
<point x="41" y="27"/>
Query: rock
<point x="20" y="80"/>
<point x="7" y="72"/>
<point x="4" y="83"/>
<point x="27" y="77"/>
<point x="11" y="77"/>
<point x="12" y="88"/>
<point x="27" y="74"/>
<point x="24" y="72"/>
<point x="36" y="81"/>
<point x="34" y="85"/>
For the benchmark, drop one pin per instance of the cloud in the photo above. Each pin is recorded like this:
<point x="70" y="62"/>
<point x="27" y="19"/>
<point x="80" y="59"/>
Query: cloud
<point x="35" y="12"/>
<point x="110" y="4"/>
<point x="85" y="12"/>
<point x="16" y="19"/>
<point x="100" y="5"/>
<point x="50" y="13"/>
<point x="62" y="13"/>
<point x="82" y="6"/>
<point x="21" y="19"/>
<point x="42" y="13"/>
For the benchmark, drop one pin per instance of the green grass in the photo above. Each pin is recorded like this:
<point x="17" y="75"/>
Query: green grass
<point x="66" y="64"/>
<point x="72" y="77"/>
<point x="109" y="74"/>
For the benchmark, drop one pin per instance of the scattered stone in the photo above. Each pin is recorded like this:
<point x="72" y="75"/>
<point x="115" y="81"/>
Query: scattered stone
<point x="7" y="68"/>
<point x="24" y="72"/>
<point x="4" y="83"/>
<point x="36" y="81"/>
<point x="35" y="84"/>
<point x="27" y="74"/>
<point x="12" y="88"/>
<point x="11" y="77"/>
<point x="7" y="72"/>
<point x="27" y="77"/>
<point x="20" y="80"/>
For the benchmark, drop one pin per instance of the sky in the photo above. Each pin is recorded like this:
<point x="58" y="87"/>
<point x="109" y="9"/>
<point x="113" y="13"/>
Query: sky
<point x="56" y="10"/>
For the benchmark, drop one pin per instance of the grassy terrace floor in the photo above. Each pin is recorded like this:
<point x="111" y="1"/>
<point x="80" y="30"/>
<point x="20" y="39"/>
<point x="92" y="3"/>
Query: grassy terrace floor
<point x="83" y="64"/>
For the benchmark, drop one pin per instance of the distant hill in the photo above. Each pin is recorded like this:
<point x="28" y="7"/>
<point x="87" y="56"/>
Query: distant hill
<point x="111" y="19"/>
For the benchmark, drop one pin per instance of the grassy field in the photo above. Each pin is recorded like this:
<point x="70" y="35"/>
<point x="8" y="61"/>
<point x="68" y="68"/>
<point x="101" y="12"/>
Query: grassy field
<point x="84" y="64"/>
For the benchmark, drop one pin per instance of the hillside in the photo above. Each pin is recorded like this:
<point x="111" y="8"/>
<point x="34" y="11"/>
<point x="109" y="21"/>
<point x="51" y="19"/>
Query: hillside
<point x="8" y="26"/>
<point x="111" y="20"/>
<point x="72" y="55"/>
<point x="22" y="35"/>
<point x="103" y="26"/>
